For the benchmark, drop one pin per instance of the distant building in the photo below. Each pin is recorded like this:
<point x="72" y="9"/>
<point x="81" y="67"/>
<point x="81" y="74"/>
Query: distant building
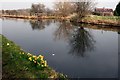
<point x="103" y="11"/>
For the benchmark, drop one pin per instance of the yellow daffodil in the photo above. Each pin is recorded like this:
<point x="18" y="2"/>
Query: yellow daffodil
<point x="30" y="58"/>
<point x="42" y="61"/>
<point x="37" y="57"/>
<point x="22" y="52"/>
<point x="41" y="57"/>
<point x="51" y="76"/>
<point x="42" y="65"/>
<point x="34" y="56"/>
<point x="34" y="61"/>
<point x="8" y="44"/>
<point x="45" y="63"/>
<point x="29" y="54"/>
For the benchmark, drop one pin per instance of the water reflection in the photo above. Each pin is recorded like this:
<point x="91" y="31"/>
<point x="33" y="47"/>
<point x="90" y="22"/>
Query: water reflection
<point x="63" y="31"/>
<point x="79" y="39"/>
<point x="80" y="42"/>
<point x="39" y="24"/>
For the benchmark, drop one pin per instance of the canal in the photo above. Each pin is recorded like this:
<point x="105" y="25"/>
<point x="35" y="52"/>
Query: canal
<point x="75" y="50"/>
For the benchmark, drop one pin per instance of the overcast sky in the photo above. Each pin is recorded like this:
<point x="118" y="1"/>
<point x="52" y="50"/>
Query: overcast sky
<point x="20" y="4"/>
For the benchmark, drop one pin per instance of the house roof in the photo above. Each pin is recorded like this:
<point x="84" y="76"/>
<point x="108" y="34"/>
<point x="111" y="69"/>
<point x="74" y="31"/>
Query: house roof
<point x="103" y="10"/>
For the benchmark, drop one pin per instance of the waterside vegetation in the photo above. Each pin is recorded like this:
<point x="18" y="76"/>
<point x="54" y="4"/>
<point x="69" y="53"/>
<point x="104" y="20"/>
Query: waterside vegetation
<point x="19" y="64"/>
<point x="82" y="12"/>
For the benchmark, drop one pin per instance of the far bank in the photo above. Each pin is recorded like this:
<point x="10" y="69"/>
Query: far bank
<point x="90" y="19"/>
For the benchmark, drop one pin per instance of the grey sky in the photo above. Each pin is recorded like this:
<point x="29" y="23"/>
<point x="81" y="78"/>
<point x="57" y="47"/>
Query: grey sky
<point x="5" y="4"/>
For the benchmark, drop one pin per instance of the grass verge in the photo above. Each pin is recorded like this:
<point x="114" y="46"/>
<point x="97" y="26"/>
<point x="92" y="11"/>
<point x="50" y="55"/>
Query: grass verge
<point x="109" y="18"/>
<point x="19" y="64"/>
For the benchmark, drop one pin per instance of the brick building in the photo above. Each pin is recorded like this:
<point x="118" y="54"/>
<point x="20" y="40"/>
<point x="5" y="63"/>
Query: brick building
<point x="104" y="11"/>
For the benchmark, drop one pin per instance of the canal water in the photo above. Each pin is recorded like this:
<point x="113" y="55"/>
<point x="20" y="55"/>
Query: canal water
<point x="75" y="50"/>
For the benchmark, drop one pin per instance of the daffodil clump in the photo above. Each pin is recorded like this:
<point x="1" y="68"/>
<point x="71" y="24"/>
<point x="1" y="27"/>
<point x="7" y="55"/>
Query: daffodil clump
<point x="37" y="60"/>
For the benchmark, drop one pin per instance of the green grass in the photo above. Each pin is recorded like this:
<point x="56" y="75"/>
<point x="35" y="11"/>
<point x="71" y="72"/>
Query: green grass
<point x="112" y="18"/>
<point x="0" y="51"/>
<point x="0" y="39"/>
<point x="16" y="63"/>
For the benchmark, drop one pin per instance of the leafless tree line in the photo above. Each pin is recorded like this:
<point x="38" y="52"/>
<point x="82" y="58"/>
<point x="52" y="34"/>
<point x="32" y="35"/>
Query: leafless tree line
<point x="60" y="9"/>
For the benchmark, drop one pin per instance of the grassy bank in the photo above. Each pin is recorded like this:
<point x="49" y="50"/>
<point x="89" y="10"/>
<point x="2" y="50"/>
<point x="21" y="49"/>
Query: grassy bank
<point x="0" y="57"/>
<point x="35" y="17"/>
<point x="103" y="20"/>
<point x="99" y="20"/>
<point x="110" y="18"/>
<point x="19" y="64"/>
<point x="91" y="19"/>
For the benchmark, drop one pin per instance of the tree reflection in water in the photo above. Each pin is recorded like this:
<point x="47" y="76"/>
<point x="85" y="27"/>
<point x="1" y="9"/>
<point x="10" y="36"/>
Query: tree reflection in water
<point x="39" y="24"/>
<point x="63" y="31"/>
<point x="79" y="39"/>
<point x="80" y="42"/>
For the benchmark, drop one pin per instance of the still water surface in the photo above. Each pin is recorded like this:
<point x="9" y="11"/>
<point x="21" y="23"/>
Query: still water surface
<point x="78" y="52"/>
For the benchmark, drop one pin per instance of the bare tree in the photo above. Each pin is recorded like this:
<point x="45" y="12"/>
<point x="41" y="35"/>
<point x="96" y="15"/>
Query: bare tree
<point x="3" y="12"/>
<point x="48" y="11"/>
<point x="83" y="8"/>
<point x="7" y="12"/>
<point x="37" y="8"/>
<point x="64" y="8"/>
